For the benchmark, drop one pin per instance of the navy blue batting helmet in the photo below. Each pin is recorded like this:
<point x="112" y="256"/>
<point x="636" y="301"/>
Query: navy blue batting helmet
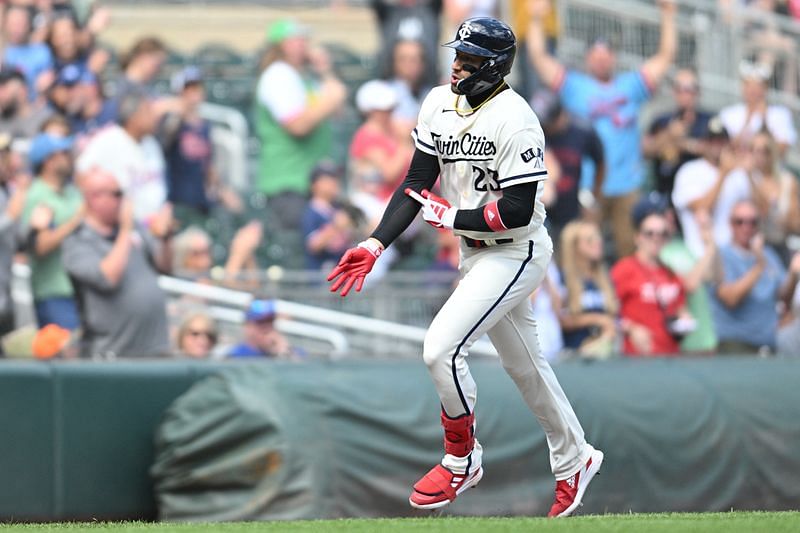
<point x="489" y="38"/>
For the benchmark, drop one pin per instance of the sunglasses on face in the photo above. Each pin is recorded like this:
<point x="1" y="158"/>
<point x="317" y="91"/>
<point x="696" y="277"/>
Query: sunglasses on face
<point x="745" y="221"/>
<point x="651" y="234"/>
<point x="210" y="335"/>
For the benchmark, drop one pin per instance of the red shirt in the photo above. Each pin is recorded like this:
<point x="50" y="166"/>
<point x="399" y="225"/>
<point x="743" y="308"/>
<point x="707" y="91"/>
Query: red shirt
<point x="648" y="296"/>
<point x="366" y="139"/>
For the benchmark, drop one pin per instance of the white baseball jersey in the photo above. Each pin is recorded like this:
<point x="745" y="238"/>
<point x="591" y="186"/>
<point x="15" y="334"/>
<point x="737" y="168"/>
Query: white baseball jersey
<point x="483" y="152"/>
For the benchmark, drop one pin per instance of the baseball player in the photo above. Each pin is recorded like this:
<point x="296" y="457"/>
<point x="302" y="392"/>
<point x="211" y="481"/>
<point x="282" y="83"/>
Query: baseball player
<point x="486" y="143"/>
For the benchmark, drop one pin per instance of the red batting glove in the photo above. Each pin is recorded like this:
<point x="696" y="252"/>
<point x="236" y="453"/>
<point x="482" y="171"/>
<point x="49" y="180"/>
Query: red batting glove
<point x="437" y="211"/>
<point x="354" y="265"/>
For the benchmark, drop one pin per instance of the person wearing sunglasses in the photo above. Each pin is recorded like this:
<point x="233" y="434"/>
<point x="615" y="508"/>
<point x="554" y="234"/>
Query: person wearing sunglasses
<point x="653" y="312"/>
<point x="197" y="336"/>
<point x="748" y="282"/>
<point x="676" y="136"/>
<point x="114" y="264"/>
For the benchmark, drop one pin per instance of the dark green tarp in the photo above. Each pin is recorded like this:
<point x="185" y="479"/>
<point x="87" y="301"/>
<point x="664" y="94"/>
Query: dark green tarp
<point x="284" y="441"/>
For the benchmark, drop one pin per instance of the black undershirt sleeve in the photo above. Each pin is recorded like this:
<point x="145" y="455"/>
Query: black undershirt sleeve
<point x="402" y="209"/>
<point x="515" y="209"/>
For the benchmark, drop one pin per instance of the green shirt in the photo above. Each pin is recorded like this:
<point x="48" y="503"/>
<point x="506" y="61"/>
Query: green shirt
<point x="48" y="277"/>
<point x="285" y="160"/>
<point x="677" y="256"/>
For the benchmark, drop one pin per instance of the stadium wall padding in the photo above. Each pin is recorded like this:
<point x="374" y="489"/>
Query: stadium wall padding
<point x="274" y="440"/>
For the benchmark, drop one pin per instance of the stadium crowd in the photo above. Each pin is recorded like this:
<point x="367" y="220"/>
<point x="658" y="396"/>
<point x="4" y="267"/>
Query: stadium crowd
<point x="676" y="238"/>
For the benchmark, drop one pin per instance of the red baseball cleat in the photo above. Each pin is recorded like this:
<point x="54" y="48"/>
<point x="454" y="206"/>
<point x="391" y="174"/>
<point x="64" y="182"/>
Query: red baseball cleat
<point x="569" y="492"/>
<point x="441" y="486"/>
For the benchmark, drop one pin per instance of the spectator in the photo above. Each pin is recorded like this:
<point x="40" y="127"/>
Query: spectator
<point x="32" y="58"/>
<point x="114" y="267"/>
<point x="408" y="81"/>
<point x="676" y="137"/>
<point x="774" y="191"/>
<point x="140" y="67"/>
<point x="66" y="95"/>
<point x="329" y="229"/>
<point x="261" y="339"/>
<point x="695" y="272"/>
<point x="788" y="335"/>
<point x="197" y="336"/>
<point x="96" y="112"/>
<point x="13" y="190"/>
<point x="711" y="184"/>
<point x="193" y="182"/>
<point x="53" y="210"/>
<point x="652" y="298"/>
<point x="410" y="20"/>
<point x="70" y="46"/>
<point x="19" y="116"/>
<point x="744" y="119"/>
<point x="186" y="138"/>
<point x="748" y="283"/>
<point x="131" y="154"/>
<point x="375" y="149"/>
<point x="612" y="103"/>
<point x="193" y="257"/>
<point x="571" y="142"/>
<point x="297" y="94"/>
<point x="588" y="318"/>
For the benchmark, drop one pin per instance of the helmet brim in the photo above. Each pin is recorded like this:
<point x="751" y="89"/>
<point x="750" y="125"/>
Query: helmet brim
<point x="469" y="48"/>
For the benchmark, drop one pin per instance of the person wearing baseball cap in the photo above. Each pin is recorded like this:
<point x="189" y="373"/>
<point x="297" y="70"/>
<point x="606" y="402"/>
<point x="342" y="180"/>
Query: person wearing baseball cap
<point x="374" y="149"/>
<point x="192" y="182"/>
<point x="297" y="94"/>
<point x="19" y="116"/>
<point x="260" y="338"/>
<point x="53" y="210"/>
<point x="753" y="113"/>
<point x="711" y="185"/>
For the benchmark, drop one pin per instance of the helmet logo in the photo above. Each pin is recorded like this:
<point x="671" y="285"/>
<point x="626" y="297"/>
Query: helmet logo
<point x="465" y="31"/>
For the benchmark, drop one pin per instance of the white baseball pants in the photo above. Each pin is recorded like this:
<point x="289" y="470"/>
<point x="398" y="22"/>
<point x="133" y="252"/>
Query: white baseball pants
<point x="493" y="297"/>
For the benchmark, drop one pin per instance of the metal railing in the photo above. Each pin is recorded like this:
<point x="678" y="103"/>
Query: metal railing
<point x="343" y="333"/>
<point x="364" y="335"/>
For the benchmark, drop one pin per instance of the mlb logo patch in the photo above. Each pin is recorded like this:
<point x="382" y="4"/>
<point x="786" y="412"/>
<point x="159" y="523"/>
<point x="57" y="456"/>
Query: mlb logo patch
<point x="528" y="155"/>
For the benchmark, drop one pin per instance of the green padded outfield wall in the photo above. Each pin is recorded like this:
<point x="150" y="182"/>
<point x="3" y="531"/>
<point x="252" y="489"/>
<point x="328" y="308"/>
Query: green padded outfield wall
<point x="280" y="441"/>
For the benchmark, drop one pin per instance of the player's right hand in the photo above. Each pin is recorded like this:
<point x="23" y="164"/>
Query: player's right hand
<point x="354" y="266"/>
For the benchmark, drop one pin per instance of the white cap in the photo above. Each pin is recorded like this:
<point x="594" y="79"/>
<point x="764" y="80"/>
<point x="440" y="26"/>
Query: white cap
<point x="376" y="95"/>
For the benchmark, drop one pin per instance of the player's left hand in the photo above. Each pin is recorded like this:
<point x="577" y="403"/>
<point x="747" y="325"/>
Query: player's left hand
<point x="435" y="210"/>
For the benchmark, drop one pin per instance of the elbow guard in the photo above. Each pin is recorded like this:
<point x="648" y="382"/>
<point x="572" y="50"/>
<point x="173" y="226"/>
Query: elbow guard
<point x="491" y="214"/>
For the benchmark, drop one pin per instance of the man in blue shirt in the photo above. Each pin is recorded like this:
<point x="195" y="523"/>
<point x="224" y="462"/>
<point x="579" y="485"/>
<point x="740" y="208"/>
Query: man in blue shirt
<point x="261" y="339"/>
<point x="612" y="103"/>
<point x="749" y="281"/>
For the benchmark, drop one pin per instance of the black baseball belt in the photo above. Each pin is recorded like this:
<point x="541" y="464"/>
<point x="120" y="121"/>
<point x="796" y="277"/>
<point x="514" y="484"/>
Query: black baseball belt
<point x="473" y="243"/>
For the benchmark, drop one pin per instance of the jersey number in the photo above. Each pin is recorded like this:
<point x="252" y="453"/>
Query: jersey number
<point x="483" y="182"/>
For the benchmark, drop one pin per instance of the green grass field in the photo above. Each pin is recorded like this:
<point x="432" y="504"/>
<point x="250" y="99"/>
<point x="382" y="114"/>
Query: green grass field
<point x="733" y="522"/>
